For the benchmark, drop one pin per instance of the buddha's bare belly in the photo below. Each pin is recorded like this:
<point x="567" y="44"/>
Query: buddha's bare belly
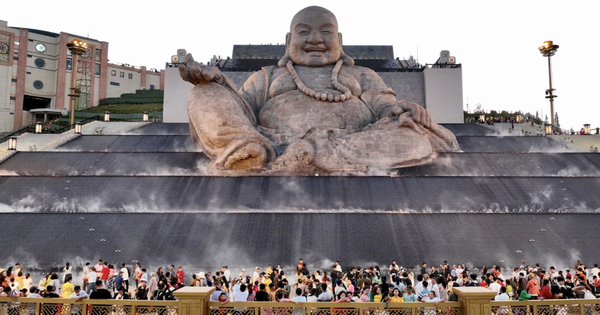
<point x="290" y="115"/>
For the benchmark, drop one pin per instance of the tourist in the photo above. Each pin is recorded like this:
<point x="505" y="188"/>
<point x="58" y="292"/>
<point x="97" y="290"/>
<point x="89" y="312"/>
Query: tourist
<point x="396" y="296"/>
<point x="141" y="293"/>
<point x="180" y="275"/>
<point x="502" y="295"/>
<point x="299" y="296"/>
<point x="240" y="293"/>
<point x="34" y="292"/>
<point x="101" y="293"/>
<point x="67" y="270"/>
<point x="125" y="275"/>
<point x="119" y="282"/>
<point x="410" y="296"/>
<point x="546" y="292"/>
<point x="376" y="293"/>
<point x="262" y="295"/>
<point x="431" y="298"/>
<point x="92" y="278"/>
<point x="138" y="270"/>
<point x="85" y="273"/>
<point x="533" y="287"/>
<point x="27" y="281"/>
<point x="121" y="294"/>
<point x="99" y="266"/>
<point x="325" y="295"/>
<point x="143" y="275"/>
<point x="50" y="292"/>
<point x="55" y="283"/>
<point x="68" y="288"/>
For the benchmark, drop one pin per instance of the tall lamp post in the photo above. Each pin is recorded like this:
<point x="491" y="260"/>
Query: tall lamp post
<point x="548" y="50"/>
<point x="77" y="48"/>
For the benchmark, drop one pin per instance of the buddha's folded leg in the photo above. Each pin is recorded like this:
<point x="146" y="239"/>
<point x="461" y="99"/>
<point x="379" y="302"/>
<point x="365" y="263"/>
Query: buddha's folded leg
<point x="388" y="144"/>
<point x="220" y="123"/>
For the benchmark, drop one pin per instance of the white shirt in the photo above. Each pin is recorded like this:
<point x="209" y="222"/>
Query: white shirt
<point x="240" y="296"/>
<point x="502" y="297"/>
<point x="125" y="274"/>
<point x="92" y="276"/>
<point x="495" y="286"/>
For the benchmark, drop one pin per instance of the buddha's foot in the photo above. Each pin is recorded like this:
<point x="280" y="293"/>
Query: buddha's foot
<point x="251" y="156"/>
<point x="297" y="157"/>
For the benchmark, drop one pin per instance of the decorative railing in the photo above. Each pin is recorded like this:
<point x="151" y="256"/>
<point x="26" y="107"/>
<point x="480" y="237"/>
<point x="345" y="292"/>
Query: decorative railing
<point x="547" y="307"/>
<point x="50" y="306"/>
<point x="323" y="308"/>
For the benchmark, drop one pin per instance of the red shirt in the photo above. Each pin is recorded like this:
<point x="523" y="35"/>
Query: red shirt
<point x="546" y="293"/>
<point x="105" y="272"/>
<point x="179" y="276"/>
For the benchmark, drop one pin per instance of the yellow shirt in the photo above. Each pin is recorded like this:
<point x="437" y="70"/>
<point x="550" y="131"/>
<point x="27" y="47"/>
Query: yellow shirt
<point x="67" y="290"/>
<point x="20" y="281"/>
<point x="377" y="298"/>
<point x="397" y="299"/>
<point x="267" y="282"/>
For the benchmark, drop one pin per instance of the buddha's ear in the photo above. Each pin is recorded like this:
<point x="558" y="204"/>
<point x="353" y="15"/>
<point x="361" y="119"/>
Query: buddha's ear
<point x="286" y="57"/>
<point x="348" y="61"/>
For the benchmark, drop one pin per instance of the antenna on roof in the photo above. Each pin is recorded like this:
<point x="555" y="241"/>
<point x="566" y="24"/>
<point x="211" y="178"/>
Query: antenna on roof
<point x="417" y="54"/>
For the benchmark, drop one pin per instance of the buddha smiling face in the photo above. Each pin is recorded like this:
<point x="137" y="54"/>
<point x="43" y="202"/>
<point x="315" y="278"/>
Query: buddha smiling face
<point x="314" y="40"/>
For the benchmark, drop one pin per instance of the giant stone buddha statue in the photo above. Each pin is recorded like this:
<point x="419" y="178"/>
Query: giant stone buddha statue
<point x="312" y="112"/>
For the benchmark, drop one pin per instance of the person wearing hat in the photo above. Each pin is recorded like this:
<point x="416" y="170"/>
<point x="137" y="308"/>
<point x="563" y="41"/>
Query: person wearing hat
<point x="141" y="293"/>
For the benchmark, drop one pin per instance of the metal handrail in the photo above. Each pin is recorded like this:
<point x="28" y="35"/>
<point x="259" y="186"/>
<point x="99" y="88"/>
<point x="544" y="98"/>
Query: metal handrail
<point x="17" y="133"/>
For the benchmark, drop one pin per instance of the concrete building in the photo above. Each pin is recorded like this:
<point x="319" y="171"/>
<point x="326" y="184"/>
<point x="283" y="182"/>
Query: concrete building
<point x="436" y="86"/>
<point x="35" y="73"/>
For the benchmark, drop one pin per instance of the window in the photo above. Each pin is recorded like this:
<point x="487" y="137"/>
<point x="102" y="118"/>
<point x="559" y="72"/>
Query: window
<point x="130" y="76"/>
<point x="113" y="72"/>
<point x="122" y="74"/>
<point x="97" y="69"/>
<point x="114" y="83"/>
<point x="152" y="86"/>
<point x="69" y="62"/>
<point x="98" y="54"/>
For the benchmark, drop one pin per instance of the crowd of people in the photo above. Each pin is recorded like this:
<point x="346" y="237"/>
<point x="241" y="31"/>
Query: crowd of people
<point x="396" y="285"/>
<point x="429" y="284"/>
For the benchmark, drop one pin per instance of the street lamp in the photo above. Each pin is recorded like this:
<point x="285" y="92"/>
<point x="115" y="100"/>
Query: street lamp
<point x="12" y="144"/>
<point x="586" y="129"/>
<point x="106" y="116"/>
<point x="548" y="129"/>
<point x="78" y="128"/>
<point x="38" y="127"/>
<point x="548" y="50"/>
<point x="77" y="48"/>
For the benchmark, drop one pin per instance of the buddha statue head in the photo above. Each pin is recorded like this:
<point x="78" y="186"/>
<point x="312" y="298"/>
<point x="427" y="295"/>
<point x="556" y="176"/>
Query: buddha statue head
<point x="314" y="40"/>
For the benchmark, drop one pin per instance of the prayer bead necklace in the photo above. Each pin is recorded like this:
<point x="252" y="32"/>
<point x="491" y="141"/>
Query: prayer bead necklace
<point x="346" y="93"/>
